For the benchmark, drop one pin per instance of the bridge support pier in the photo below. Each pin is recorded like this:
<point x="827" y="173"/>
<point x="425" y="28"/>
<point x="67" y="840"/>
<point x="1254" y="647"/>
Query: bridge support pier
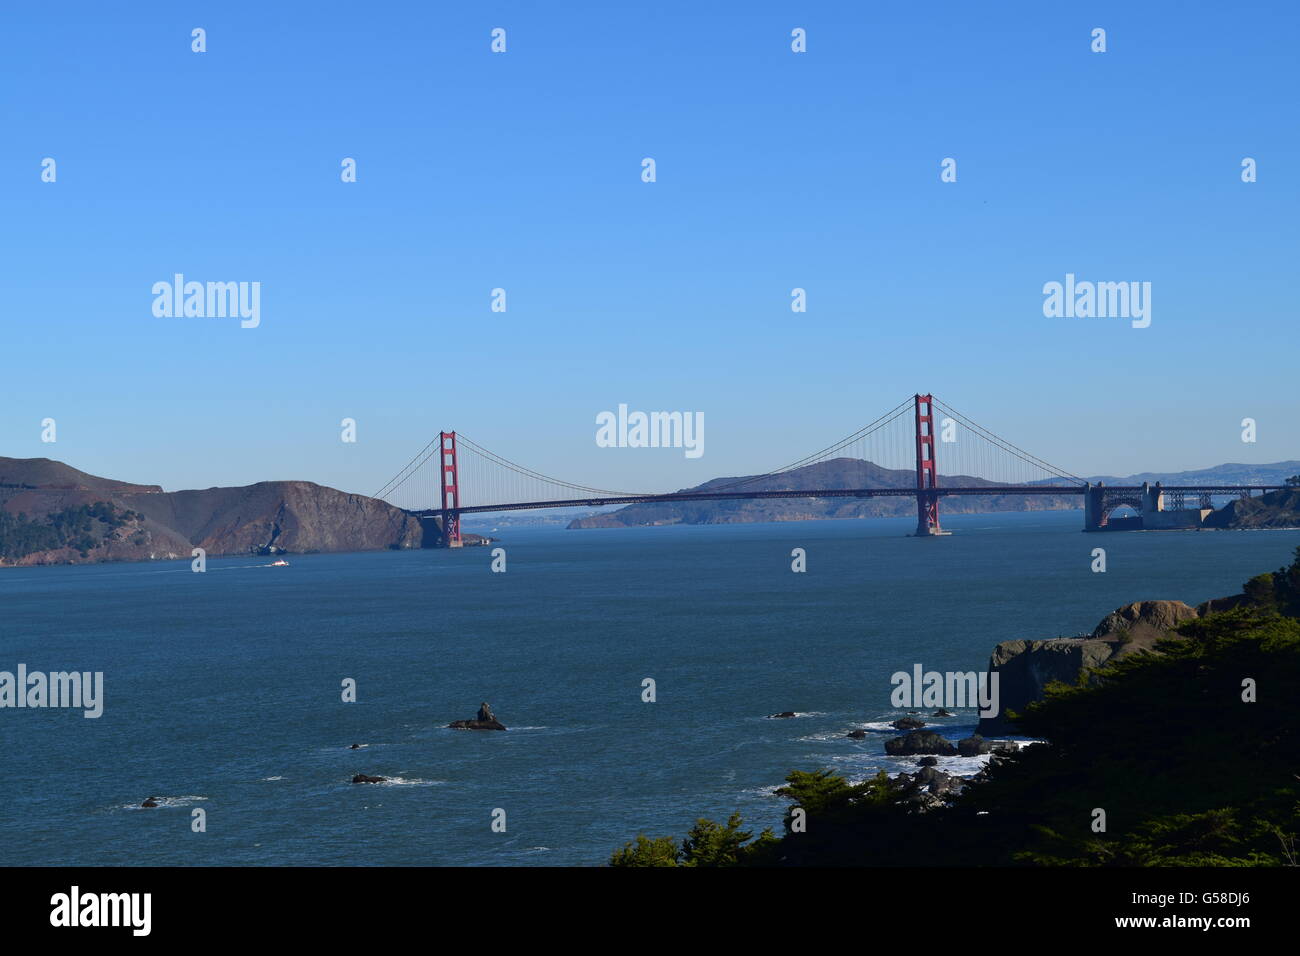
<point x="450" y="479"/>
<point x="1092" y="506"/>
<point x="1153" y="499"/>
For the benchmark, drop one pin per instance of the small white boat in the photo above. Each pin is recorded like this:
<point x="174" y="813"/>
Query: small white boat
<point x="279" y="564"/>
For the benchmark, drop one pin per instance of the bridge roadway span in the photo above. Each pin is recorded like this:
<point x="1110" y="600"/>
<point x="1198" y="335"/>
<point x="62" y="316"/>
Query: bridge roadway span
<point x="986" y="490"/>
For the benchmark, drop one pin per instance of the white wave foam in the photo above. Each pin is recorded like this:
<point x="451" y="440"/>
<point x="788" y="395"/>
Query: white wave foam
<point x="826" y="736"/>
<point x="409" y="782"/>
<point x="166" y="802"/>
<point x="797" y="713"/>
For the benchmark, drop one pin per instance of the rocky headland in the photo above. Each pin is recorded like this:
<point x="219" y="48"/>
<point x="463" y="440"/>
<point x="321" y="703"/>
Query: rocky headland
<point x="51" y="513"/>
<point x="1026" y="667"/>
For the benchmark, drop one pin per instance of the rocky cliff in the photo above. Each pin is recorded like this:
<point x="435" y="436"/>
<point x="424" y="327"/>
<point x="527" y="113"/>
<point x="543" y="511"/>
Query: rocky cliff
<point x="51" y="513"/>
<point x="1026" y="667"/>
<point x="292" y="516"/>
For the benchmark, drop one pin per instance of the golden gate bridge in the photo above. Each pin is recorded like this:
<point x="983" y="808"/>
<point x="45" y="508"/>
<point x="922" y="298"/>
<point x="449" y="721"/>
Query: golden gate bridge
<point x="893" y="456"/>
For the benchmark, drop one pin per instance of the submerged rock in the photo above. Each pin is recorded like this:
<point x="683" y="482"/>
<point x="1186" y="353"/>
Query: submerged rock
<point x="150" y="802"/>
<point x="856" y="734"/>
<point x="363" y="778"/>
<point x="784" y="713"/>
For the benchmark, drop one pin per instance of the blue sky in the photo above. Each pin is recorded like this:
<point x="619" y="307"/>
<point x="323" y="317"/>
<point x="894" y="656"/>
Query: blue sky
<point x="522" y="171"/>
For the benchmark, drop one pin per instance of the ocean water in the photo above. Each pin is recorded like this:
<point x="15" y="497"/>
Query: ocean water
<point x="223" y="690"/>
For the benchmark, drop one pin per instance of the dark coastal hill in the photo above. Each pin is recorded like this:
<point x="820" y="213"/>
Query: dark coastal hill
<point x="1277" y="509"/>
<point x="48" y="474"/>
<point x="833" y="474"/>
<point x="1229" y="473"/>
<point x="51" y="513"/>
<point x="854" y="473"/>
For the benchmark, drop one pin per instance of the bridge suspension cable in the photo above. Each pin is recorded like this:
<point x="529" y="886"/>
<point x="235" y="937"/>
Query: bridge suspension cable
<point x="1001" y="443"/>
<point x="425" y="453"/>
<point x="467" y="444"/>
<point x="883" y="453"/>
<point x="880" y="423"/>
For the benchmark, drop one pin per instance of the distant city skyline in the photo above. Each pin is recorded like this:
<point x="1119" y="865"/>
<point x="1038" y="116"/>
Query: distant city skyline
<point x="522" y="171"/>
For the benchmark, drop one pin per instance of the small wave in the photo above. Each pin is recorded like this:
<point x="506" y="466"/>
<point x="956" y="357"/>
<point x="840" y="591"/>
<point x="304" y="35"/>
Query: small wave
<point x="825" y="737"/>
<point x="409" y="782"/>
<point x="165" y="802"/>
<point x="797" y="713"/>
<point x="268" y="779"/>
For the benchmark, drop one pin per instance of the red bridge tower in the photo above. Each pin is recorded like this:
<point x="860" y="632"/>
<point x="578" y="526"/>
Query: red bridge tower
<point x="927" y="477"/>
<point x="450" y="490"/>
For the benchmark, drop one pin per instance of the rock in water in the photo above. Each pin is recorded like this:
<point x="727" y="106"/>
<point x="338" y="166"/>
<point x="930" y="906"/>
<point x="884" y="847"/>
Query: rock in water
<point x="973" y="746"/>
<point x="784" y="713"/>
<point x="362" y="778"/>
<point x="486" y="720"/>
<point x="908" y="723"/>
<point x="856" y="734"/>
<point x="151" y="802"/>
<point x="927" y="789"/>
<point x="920" y="742"/>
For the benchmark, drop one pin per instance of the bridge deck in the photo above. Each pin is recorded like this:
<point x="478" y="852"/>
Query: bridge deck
<point x="986" y="491"/>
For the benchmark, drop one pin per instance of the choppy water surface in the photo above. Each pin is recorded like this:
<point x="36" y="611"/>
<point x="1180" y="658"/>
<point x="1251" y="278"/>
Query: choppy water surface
<point x="223" y="690"/>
